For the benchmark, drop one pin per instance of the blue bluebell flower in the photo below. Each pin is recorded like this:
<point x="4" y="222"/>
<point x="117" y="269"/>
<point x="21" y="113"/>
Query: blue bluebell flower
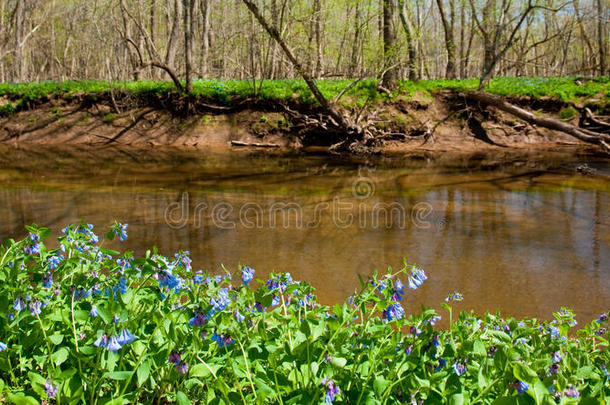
<point x="571" y="392"/>
<point x="394" y="311"/>
<point x="417" y="278"/>
<point x="198" y="278"/>
<point x="247" y="274"/>
<point x="432" y="321"/>
<point x="222" y="340"/>
<point x="120" y="230"/>
<point x="436" y="342"/>
<point x="50" y="389"/>
<point x="556" y="357"/>
<point x="35" y="307"/>
<point x="34" y="237"/>
<point x="183" y="259"/>
<point x="3" y="346"/>
<point x="521" y="386"/>
<point x="93" y="312"/>
<point x="605" y="370"/>
<point x="454" y="297"/>
<point x="101" y="341"/>
<point x="81" y="293"/>
<point x="239" y="317"/>
<point x="554" y="368"/>
<point x="47" y="280"/>
<point x="54" y="261"/>
<point x="182" y="368"/>
<point x="602" y="318"/>
<point x="459" y="368"/>
<point x="174" y="358"/>
<point x="441" y="364"/>
<point x="32" y="249"/>
<point x="197" y="320"/>
<point x="113" y="345"/>
<point x="520" y="341"/>
<point x="123" y="264"/>
<point x="275" y="301"/>
<point x="125" y="337"/>
<point x="221" y="301"/>
<point x="331" y="390"/>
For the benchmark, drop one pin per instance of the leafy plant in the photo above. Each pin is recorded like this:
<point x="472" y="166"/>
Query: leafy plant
<point x="83" y="323"/>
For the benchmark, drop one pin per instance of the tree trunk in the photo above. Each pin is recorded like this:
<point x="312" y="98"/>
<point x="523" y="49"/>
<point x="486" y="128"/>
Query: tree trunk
<point x="317" y="73"/>
<point x="601" y="38"/>
<point x="388" y="80"/>
<point x="188" y="10"/>
<point x="172" y="43"/>
<point x="205" y="37"/>
<point x="448" y="25"/>
<point x="411" y="51"/>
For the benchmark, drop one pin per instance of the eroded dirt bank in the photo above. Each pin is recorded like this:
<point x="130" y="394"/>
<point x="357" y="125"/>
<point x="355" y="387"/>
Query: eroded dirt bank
<point x="419" y="123"/>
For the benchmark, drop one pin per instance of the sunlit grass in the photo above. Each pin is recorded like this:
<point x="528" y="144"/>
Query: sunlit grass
<point x="226" y="91"/>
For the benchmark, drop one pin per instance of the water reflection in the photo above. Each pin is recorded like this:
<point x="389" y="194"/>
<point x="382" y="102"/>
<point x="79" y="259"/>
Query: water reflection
<point x="525" y="235"/>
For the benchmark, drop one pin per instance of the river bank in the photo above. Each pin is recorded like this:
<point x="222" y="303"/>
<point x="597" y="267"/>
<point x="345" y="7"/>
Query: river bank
<point x="224" y="115"/>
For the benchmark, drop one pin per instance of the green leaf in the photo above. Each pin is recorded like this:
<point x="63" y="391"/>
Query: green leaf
<point x="202" y="371"/>
<point x="60" y="356"/>
<point x="21" y="399"/>
<point x="119" y="375"/>
<point x="584" y="372"/>
<point x="182" y="399"/>
<point x="479" y="348"/>
<point x="56" y="338"/>
<point x="524" y="373"/>
<point x="506" y="401"/>
<point x="44" y="233"/>
<point x="456" y="399"/>
<point x="380" y="385"/>
<point x="339" y="362"/>
<point x="143" y="372"/>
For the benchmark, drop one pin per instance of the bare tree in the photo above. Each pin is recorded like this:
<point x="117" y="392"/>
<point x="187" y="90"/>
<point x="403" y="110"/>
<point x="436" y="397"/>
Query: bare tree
<point x="496" y="31"/>
<point x="388" y="79"/>
<point x="448" y="28"/>
<point x="601" y="37"/>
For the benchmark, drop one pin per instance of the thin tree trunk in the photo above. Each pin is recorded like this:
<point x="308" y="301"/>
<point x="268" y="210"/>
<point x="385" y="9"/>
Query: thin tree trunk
<point x="411" y="51"/>
<point x="388" y="80"/>
<point x="448" y="25"/>
<point x="172" y="44"/>
<point x="205" y="37"/>
<point x="601" y="38"/>
<point x="318" y="35"/>
<point x="188" y="10"/>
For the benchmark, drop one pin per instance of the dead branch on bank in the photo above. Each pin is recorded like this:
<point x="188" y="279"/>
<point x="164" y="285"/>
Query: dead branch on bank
<point x="584" y="134"/>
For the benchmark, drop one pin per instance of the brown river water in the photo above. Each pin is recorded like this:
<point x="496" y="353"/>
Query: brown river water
<point x="521" y="234"/>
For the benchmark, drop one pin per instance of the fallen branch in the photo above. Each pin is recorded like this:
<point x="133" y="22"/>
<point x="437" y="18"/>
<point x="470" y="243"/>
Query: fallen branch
<point x="583" y="134"/>
<point x="255" y="144"/>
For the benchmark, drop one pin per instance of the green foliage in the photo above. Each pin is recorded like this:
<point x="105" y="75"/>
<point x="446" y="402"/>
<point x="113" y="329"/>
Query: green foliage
<point x="7" y="109"/>
<point x="87" y="324"/>
<point x="568" y="113"/>
<point x="365" y="91"/>
<point x="110" y="117"/>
